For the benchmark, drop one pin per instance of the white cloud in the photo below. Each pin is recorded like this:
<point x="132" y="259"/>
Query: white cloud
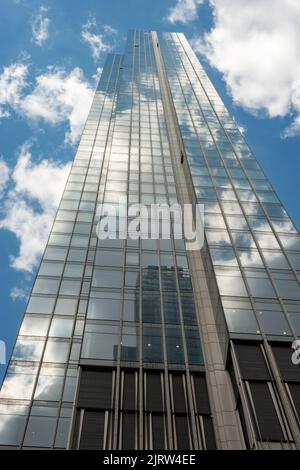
<point x="31" y="204"/>
<point x="4" y="174"/>
<point x="57" y="97"/>
<point x="98" y="42"/>
<point x="12" y="83"/>
<point x="255" y="45"/>
<point x="40" y="27"/>
<point x="184" y="11"/>
<point x="18" y="293"/>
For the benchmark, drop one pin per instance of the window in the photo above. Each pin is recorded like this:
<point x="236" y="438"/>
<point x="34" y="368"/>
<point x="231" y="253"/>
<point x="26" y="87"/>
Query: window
<point x="28" y="350"/>
<point x="61" y="327"/>
<point x="50" y="383"/>
<point x="109" y="258"/>
<point x="230" y="282"/>
<point x="34" y="326"/>
<point x="272" y="319"/>
<point x="40" y="305"/>
<point x="240" y="317"/>
<point x="73" y="270"/>
<point x="69" y="287"/>
<point x="51" y="269"/>
<point x="46" y="286"/>
<point x="56" y="351"/>
<point x="152" y="345"/>
<point x="193" y="345"/>
<point x="288" y="288"/>
<point x="174" y="346"/>
<point x="11" y="432"/>
<point x="106" y="278"/>
<point x="101" y="342"/>
<point x="105" y="308"/>
<point x="259" y="284"/>
<point x="275" y="260"/>
<point x="65" y="306"/>
<point x="40" y="430"/>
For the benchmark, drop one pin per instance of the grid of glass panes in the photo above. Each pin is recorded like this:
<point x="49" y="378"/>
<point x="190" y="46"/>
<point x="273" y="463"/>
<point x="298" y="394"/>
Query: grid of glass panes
<point x="141" y="306"/>
<point x="37" y="395"/>
<point x="255" y="248"/>
<point x="130" y="302"/>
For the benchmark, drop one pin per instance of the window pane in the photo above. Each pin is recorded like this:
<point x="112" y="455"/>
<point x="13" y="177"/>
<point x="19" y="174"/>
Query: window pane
<point x="104" y="309"/>
<point x="34" y="326"/>
<point x="46" y="286"/>
<point x="105" y="278"/>
<point x="40" y="304"/>
<point x="65" y="306"/>
<point x="61" y="327"/>
<point x="56" y="352"/>
<point x="40" y="431"/>
<point x="152" y="345"/>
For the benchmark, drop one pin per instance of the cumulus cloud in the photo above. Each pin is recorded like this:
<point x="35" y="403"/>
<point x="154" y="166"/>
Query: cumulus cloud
<point x="18" y="293"/>
<point x="30" y="205"/>
<point x="40" y="27"/>
<point x="55" y="97"/>
<point x="99" y="40"/>
<point x="59" y="96"/>
<point x="4" y="174"/>
<point x="255" y="45"/>
<point x="12" y="83"/>
<point x="184" y="11"/>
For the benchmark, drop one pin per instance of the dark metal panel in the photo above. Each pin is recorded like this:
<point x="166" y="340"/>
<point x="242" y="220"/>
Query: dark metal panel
<point x="95" y="389"/>
<point x="251" y="361"/>
<point x="178" y="394"/>
<point x="209" y="433"/>
<point x="154" y="400"/>
<point x="201" y="395"/>
<point x="283" y="355"/>
<point x="158" y="435"/>
<point x="295" y="392"/>
<point x="128" y="431"/>
<point x="129" y="391"/>
<point x="269" y="426"/>
<point x="92" y="433"/>
<point x="182" y="433"/>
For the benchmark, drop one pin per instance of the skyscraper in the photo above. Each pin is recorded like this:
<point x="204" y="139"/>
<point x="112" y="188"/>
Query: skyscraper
<point x="141" y="343"/>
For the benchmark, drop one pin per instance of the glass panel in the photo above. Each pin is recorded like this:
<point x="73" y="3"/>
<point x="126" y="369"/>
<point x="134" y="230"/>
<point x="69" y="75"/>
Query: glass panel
<point x="272" y="319"/>
<point x="100" y="345"/>
<point x="46" y="286"/>
<point x="19" y="382"/>
<point x="28" y="350"/>
<point x="65" y="306"/>
<point x="61" y="327"/>
<point x="40" y="304"/>
<point x="56" y="351"/>
<point x="11" y="429"/>
<point x="151" y="307"/>
<point x="70" y="287"/>
<point x="104" y="308"/>
<point x="34" y="326"/>
<point x="50" y="383"/>
<point x="193" y="345"/>
<point x="39" y="431"/>
<point x="174" y="346"/>
<point x="152" y="345"/>
<point x="105" y="278"/>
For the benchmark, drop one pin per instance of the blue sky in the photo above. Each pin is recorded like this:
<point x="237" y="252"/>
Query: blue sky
<point x="51" y="55"/>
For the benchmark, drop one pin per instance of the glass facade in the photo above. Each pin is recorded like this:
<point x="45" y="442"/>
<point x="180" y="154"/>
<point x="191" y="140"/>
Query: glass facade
<point x="112" y="352"/>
